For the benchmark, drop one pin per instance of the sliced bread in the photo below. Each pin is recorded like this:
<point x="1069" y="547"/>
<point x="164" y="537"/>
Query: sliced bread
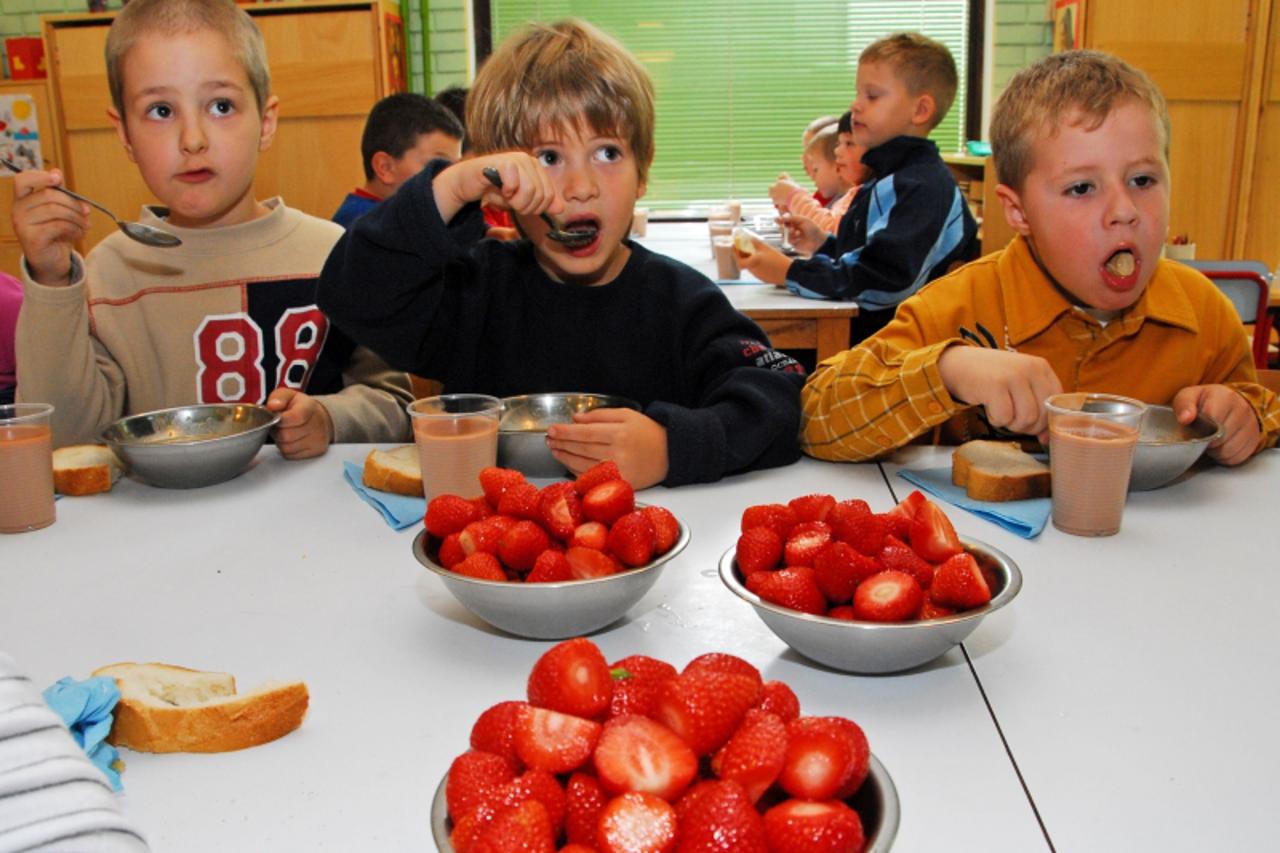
<point x="398" y="471"/>
<point x="167" y="708"/>
<point x="998" y="471"/>
<point x="84" y="469"/>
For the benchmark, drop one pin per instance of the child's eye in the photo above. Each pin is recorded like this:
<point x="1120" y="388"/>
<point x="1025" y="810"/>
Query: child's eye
<point x="609" y="153"/>
<point x="158" y="111"/>
<point x="547" y="158"/>
<point x="222" y="107"/>
<point x="1144" y="181"/>
<point x="1079" y="189"/>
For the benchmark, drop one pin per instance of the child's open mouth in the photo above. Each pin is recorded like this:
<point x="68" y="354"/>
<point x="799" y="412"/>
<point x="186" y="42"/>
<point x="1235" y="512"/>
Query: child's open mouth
<point x="1121" y="269"/>
<point x="577" y="234"/>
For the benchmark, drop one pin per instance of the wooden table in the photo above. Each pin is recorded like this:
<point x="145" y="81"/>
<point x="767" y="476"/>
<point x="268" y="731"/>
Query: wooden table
<point x="790" y="321"/>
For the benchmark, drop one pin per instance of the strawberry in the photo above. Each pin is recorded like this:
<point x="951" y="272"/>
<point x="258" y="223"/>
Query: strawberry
<point x="481" y="536"/>
<point x="639" y="754"/>
<point x="573" y="848"/>
<point x="550" y="567"/>
<point x="448" y="514"/>
<point x="860" y="763"/>
<point x="494" y="731"/>
<point x="811" y="507"/>
<point x="704" y="707"/>
<point x="756" y="581"/>
<point x="525" y="828"/>
<point x="842" y="611"/>
<point x="843" y="513"/>
<point x="933" y="610"/>
<point x="589" y="563"/>
<point x="552" y="741"/>
<point x="759" y="549"/>
<point x="601" y="472"/>
<point x="801" y="826"/>
<point x="839" y="568"/>
<point x="474" y="778"/>
<point x="722" y="662"/>
<point x="467" y="828"/>
<point x="636" y="680"/>
<point x="631" y="538"/>
<point x="535" y="785"/>
<point x="794" y="588"/>
<point x="666" y="530"/>
<point x="865" y="533"/>
<point x="901" y="516"/>
<point x="495" y="481"/>
<point x="451" y="552"/>
<point x="642" y="666"/>
<point x="584" y="801"/>
<point x="887" y="597"/>
<point x="819" y="759"/>
<point x="754" y="755"/>
<point x="778" y="517"/>
<point x="571" y="677"/>
<point x="720" y="818"/>
<point x="481" y="566"/>
<point x="637" y="822"/>
<point x="590" y="534"/>
<point x="777" y="698"/>
<point x="560" y="510"/>
<point x="609" y="501"/>
<point x="520" y="501"/>
<point x="931" y="534"/>
<point x="521" y="545"/>
<point x="900" y="558"/>
<point x="484" y="509"/>
<point x="959" y="583"/>
<point x="804" y="543"/>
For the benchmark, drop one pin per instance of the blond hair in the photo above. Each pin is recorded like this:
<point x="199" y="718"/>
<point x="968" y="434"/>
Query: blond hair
<point x="824" y="143"/>
<point x="1076" y="86"/>
<point x="923" y="65"/>
<point x="555" y="75"/>
<point x="174" y="17"/>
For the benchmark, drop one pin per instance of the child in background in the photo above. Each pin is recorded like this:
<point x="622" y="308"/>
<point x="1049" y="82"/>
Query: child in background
<point x="454" y="99"/>
<point x="807" y="221"/>
<point x="910" y="223"/>
<point x="10" y="302"/>
<point x="565" y="115"/>
<point x="1080" y="299"/>
<point x="402" y="134"/>
<point x="500" y="224"/>
<point x="228" y="316"/>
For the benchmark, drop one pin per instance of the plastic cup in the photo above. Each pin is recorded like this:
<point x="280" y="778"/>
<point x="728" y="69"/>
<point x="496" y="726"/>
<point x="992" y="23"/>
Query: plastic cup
<point x="1092" y="439"/>
<point x="726" y="260"/>
<point x="26" y="467"/>
<point x="640" y="222"/>
<point x="718" y="228"/>
<point x="457" y="437"/>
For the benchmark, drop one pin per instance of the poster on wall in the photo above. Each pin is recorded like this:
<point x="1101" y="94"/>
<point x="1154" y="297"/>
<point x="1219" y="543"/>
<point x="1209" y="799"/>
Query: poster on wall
<point x="19" y="132"/>
<point x="1068" y="25"/>
<point x="397" y="70"/>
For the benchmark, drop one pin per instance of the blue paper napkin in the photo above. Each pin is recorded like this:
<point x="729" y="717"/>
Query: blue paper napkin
<point x="1025" y="518"/>
<point x="86" y="706"/>
<point x="400" y="511"/>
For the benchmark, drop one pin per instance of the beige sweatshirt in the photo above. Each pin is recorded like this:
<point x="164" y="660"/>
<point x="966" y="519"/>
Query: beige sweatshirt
<point x="228" y="316"/>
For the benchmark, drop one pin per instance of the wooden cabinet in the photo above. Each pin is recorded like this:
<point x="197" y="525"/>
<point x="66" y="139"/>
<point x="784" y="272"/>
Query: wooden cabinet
<point x="38" y="92"/>
<point x="330" y="62"/>
<point x="976" y="177"/>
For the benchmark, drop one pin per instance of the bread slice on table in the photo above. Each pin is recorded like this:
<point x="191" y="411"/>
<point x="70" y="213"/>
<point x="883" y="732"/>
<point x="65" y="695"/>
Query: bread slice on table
<point x="167" y="708"/>
<point x="398" y="471"/>
<point x="85" y="469"/>
<point x="998" y="471"/>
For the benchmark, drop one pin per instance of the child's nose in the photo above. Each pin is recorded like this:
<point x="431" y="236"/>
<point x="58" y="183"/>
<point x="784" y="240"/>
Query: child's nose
<point x="579" y="183"/>
<point x="193" y="139"/>
<point x="1121" y="209"/>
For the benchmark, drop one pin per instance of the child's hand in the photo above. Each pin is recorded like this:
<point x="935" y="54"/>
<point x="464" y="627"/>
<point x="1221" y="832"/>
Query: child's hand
<point x="527" y="188"/>
<point x="636" y="443"/>
<point x="765" y="263"/>
<point x="1012" y="387"/>
<point x="305" y="429"/>
<point x="47" y="223"/>
<point x="805" y="235"/>
<point x="781" y="192"/>
<point x="1240" y="431"/>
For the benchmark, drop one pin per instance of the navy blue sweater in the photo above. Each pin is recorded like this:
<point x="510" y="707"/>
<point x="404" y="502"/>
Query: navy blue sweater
<point x="481" y="316"/>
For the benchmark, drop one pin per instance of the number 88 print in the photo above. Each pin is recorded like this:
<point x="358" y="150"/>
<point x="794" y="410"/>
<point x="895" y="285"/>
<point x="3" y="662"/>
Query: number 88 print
<point x="232" y="365"/>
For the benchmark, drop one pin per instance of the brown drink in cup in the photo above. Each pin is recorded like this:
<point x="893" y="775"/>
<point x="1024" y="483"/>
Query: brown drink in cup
<point x="726" y="260"/>
<point x="457" y="438"/>
<point x="1092" y="439"/>
<point x="26" y="467"/>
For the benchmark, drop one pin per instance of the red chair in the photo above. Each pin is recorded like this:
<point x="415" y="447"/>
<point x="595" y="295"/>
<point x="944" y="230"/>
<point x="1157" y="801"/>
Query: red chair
<point x="1248" y="285"/>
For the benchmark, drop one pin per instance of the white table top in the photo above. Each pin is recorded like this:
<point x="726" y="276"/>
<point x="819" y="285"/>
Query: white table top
<point x="284" y="573"/>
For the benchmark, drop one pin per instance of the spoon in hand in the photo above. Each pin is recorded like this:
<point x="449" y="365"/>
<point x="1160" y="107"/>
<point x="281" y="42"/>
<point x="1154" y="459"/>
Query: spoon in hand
<point x="142" y="233"/>
<point x="571" y="239"/>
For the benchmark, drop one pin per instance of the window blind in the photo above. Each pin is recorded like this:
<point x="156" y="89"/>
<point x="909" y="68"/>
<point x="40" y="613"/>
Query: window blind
<point x="737" y="82"/>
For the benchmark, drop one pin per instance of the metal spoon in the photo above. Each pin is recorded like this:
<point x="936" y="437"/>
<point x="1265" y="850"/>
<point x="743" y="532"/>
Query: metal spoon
<point x="142" y="233"/>
<point x="569" y="238"/>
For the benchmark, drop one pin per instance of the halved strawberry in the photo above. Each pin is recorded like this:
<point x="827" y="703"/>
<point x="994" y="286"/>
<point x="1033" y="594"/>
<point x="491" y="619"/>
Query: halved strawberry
<point x="584" y="801"/>
<point x="448" y="514"/>
<point x="865" y="533"/>
<point x="666" y="529"/>
<point x="806" y="540"/>
<point x="839" y="568"/>
<point x="474" y="778"/>
<point x="550" y="567"/>
<point x="796" y="588"/>
<point x="494" y="731"/>
<point x="959" y="583"/>
<point x="811" y="507"/>
<point x="888" y="597"/>
<point x="526" y="828"/>
<point x="481" y="536"/>
<point x="900" y="558"/>
<point x="639" y="754"/>
<point x="636" y="822"/>
<point x="631" y="538"/>
<point x="535" y="785"/>
<point x="901" y="516"/>
<point x="609" y="501"/>
<point x="802" y="826"/>
<point x="590" y="534"/>
<point x="759" y="549"/>
<point x="931" y="534"/>
<point x="495" y="481"/>
<point x="601" y="472"/>
<point x="719" y="817"/>
<point x="587" y="563"/>
<point x="819" y="758"/>
<point x="552" y="741"/>
<point x="571" y="677"/>
<point x="778" y="517"/>
<point x="754" y="755"/>
<point x="521" y="545"/>
<point x="481" y="566"/>
<point x="777" y="698"/>
<point x="704" y="707"/>
<point x="560" y="510"/>
<point x="520" y="501"/>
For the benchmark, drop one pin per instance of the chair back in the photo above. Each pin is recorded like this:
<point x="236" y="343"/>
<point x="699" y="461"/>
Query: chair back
<point x="1248" y="285"/>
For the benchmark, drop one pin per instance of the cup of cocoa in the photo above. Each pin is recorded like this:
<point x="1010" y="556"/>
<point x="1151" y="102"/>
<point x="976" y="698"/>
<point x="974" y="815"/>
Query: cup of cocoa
<point x="457" y="438"/>
<point x="1092" y="439"/>
<point x="26" y="467"/>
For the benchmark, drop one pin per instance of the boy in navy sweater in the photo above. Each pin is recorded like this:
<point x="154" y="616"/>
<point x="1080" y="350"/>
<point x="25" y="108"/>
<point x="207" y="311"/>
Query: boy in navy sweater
<point x="564" y="114"/>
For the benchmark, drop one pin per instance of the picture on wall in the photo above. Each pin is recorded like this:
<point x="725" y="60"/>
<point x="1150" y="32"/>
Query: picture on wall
<point x="20" y="132"/>
<point x="1068" y="25"/>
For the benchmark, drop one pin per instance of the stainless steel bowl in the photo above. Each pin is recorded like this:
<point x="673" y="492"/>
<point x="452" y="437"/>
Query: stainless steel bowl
<point x="549" y="611"/>
<point x="190" y="446"/>
<point x="876" y="803"/>
<point x="1166" y="448"/>
<point x="878" y="647"/>
<point x="522" y="432"/>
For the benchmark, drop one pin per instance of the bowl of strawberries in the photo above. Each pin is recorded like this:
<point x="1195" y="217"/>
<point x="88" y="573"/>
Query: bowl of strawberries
<point x="548" y="562"/>
<point x="866" y="592"/>
<point x="637" y="755"/>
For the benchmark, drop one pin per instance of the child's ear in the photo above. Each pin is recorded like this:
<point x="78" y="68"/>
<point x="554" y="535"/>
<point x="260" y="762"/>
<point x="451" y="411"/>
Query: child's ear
<point x="121" y="132"/>
<point x="383" y="164"/>
<point x="1014" y="213"/>
<point x="925" y="109"/>
<point x="643" y="188"/>
<point x="270" y="119"/>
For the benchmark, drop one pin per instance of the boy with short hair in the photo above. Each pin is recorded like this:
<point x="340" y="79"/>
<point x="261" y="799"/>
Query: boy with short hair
<point x="1080" y="300"/>
<point x="574" y="140"/>
<point x="228" y="316"/>
<point x="910" y="223"/>
<point x="403" y="133"/>
<point x="790" y="198"/>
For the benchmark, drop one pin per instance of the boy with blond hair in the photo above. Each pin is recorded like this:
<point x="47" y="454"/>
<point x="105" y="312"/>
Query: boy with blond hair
<point x="1080" y="300"/>
<point x="563" y="116"/>
<point x="910" y="223"/>
<point x="227" y="316"/>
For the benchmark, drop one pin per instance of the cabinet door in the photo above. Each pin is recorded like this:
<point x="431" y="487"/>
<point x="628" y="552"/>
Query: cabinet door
<point x="1262" y="222"/>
